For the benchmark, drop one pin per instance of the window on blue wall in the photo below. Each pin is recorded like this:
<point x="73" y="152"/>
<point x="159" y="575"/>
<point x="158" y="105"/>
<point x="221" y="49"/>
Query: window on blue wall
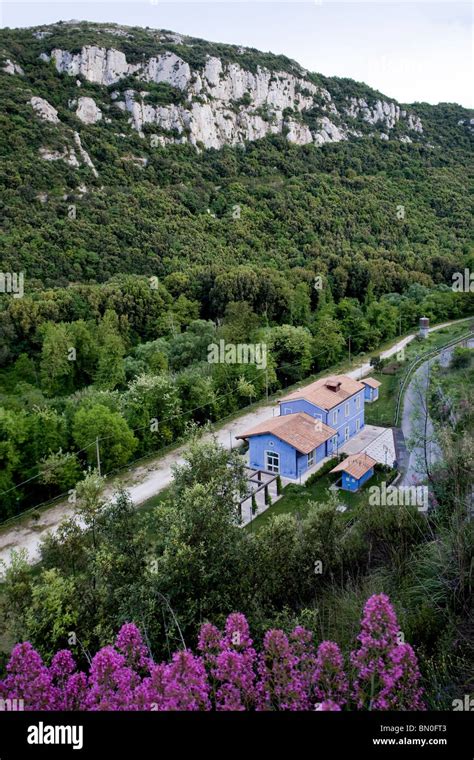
<point x="346" y="409"/>
<point x="311" y="458"/>
<point x="334" y="441"/>
<point x="273" y="461"/>
<point x="334" y="416"/>
<point x="358" y="402"/>
<point x="357" y="426"/>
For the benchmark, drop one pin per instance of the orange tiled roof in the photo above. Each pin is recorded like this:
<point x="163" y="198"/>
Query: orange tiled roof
<point x="355" y="465"/>
<point x="318" y="393"/>
<point x="371" y="382"/>
<point x="299" y="430"/>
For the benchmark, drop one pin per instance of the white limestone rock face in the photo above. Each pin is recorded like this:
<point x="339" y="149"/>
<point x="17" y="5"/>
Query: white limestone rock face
<point x="84" y="155"/>
<point x="96" y="64"/>
<point x="382" y="112"/>
<point x="67" y="154"/>
<point x="300" y="134"/>
<point x="168" y="68"/>
<point x="88" y="111"/>
<point x="414" y="123"/>
<point x="45" y="110"/>
<point x="329" y="132"/>
<point x="223" y="103"/>
<point x="10" y="67"/>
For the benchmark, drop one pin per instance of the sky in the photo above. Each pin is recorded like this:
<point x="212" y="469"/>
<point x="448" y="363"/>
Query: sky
<point x="411" y="51"/>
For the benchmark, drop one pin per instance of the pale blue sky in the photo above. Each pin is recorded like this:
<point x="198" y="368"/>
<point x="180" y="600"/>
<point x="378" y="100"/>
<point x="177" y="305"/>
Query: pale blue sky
<point x="408" y="50"/>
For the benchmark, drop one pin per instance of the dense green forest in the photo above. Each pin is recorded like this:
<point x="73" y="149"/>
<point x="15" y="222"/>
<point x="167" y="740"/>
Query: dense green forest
<point x="133" y="271"/>
<point x="131" y="274"/>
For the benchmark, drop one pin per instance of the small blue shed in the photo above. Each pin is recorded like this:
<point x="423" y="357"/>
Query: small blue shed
<point x="356" y="469"/>
<point x="371" y="392"/>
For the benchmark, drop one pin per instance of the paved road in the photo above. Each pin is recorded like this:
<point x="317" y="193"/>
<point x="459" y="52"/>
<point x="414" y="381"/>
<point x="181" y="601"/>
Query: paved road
<point x="146" y="481"/>
<point x="417" y="425"/>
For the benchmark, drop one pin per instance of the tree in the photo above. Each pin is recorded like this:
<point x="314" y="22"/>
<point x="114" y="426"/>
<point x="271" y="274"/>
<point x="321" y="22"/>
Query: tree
<point x="199" y="560"/>
<point x="192" y="345"/>
<point x="383" y="317"/>
<point x="53" y="612"/>
<point x="117" y="442"/>
<point x="56" y="366"/>
<point x="206" y="462"/>
<point x="47" y="433"/>
<point x="290" y="349"/>
<point x="110" y="368"/>
<point x="60" y="469"/>
<point x="84" y="339"/>
<point x="461" y="357"/>
<point x="328" y="342"/>
<point x="239" y="322"/>
<point x="300" y="307"/>
<point x="152" y="405"/>
<point x="15" y="598"/>
<point x="197" y="393"/>
<point x="13" y="435"/>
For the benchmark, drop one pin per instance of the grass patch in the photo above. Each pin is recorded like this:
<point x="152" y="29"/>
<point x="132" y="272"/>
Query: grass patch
<point x="297" y="499"/>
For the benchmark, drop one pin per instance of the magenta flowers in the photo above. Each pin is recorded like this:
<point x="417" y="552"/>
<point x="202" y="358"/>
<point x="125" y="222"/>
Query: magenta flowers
<point x="386" y="671"/>
<point x="227" y="673"/>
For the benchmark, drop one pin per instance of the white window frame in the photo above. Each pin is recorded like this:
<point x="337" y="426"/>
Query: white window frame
<point x="357" y="425"/>
<point x="334" y="442"/>
<point x="334" y="416"/>
<point x="311" y="457"/>
<point x="346" y="409"/>
<point x="347" y="433"/>
<point x="287" y="410"/>
<point x="273" y="468"/>
<point x="358" y="402"/>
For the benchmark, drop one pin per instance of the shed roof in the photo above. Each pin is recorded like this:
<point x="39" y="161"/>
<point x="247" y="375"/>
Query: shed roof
<point x="300" y="430"/>
<point x="321" y="395"/>
<point x="371" y="382"/>
<point x="356" y="465"/>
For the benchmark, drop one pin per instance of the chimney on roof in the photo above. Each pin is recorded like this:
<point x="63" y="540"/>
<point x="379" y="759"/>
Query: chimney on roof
<point x="333" y="384"/>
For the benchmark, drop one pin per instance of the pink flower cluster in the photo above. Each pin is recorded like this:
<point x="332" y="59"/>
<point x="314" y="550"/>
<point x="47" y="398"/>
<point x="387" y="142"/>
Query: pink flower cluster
<point x="227" y="673"/>
<point x="387" y="673"/>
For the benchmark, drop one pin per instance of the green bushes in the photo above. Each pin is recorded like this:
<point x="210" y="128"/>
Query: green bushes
<point x="324" y="469"/>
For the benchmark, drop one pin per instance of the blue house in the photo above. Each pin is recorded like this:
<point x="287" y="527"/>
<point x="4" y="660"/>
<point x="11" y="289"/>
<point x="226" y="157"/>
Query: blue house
<point x="313" y="423"/>
<point x="288" y="445"/>
<point x="356" y="470"/>
<point x="337" y="401"/>
<point x="371" y="392"/>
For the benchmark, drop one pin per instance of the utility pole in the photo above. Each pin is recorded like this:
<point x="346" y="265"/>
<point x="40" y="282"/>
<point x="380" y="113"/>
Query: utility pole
<point x="97" y="454"/>
<point x="266" y="382"/>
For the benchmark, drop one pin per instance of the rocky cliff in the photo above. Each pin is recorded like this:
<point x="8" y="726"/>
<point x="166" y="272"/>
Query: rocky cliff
<point x="225" y="103"/>
<point x="165" y="89"/>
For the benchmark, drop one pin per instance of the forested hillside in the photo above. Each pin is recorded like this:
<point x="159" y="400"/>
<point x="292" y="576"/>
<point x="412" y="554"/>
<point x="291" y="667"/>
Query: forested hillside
<point x="328" y="213"/>
<point x="368" y="192"/>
